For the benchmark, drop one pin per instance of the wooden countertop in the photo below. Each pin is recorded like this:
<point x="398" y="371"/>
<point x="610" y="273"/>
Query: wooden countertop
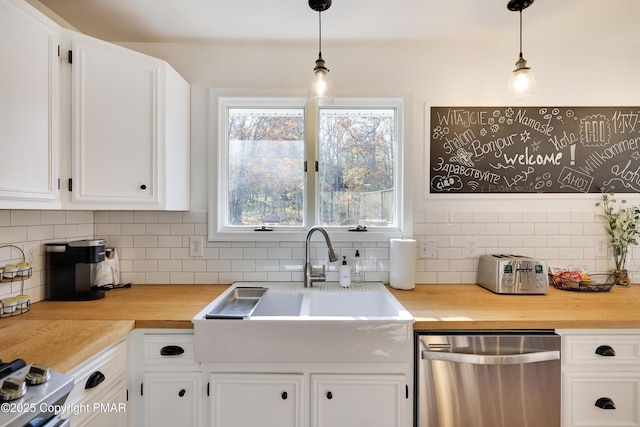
<point x="59" y="344"/>
<point x="64" y="334"/>
<point x="473" y="307"/>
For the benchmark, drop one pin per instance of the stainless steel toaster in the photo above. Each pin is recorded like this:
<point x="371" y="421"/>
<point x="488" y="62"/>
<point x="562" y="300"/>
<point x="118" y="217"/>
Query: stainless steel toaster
<point x="513" y="274"/>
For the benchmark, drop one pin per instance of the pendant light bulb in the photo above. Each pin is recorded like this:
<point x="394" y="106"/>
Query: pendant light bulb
<point x="321" y="86"/>
<point x="522" y="84"/>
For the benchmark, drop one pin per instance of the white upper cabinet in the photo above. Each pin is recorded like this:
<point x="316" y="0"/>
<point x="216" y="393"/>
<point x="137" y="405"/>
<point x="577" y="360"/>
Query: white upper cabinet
<point x="29" y="107"/>
<point x="129" y="128"/>
<point x="108" y="131"/>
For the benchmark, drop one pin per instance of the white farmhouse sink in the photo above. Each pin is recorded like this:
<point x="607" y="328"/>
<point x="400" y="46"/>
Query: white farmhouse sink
<point x="363" y="305"/>
<point x="295" y="324"/>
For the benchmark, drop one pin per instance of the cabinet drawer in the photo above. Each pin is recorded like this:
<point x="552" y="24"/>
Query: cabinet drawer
<point x="163" y="349"/>
<point x="607" y="350"/>
<point x="582" y="392"/>
<point x="105" y="369"/>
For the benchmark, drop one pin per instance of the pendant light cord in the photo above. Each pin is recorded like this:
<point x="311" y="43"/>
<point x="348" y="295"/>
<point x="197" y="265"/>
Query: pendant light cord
<point x="320" y="33"/>
<point x="520" y="33"/>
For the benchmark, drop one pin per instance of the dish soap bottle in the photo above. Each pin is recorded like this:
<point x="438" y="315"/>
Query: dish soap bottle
<point x="345" y="273"/>
<point x="357" y="268"/>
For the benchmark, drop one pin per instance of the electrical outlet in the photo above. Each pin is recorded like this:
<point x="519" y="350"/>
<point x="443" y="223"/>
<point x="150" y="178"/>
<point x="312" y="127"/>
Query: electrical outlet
<point x="196" y="246"/>
<point x="32" y="254"/>
<point x="470" y="247"/>
<point x="429" y="248"/>
<point x="601" y="247"/>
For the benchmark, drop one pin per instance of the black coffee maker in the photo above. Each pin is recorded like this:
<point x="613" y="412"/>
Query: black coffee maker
<point x="69" y="270"/>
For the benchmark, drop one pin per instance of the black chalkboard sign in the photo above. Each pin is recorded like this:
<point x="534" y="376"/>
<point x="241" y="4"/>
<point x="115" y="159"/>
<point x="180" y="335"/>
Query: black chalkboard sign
<point x="534" y="149"/>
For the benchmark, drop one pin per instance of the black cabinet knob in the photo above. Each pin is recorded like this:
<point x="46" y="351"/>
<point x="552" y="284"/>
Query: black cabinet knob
<point x="284" y="395"/>
<point x="605" y="350"/>
<point x="605" y="403"/>
<point x="94" y="380"/>
<point x="182" y="392"/>
<point x="329" y="395"/>
<point x="171" y="350"/>
<point x="143" y="187"/>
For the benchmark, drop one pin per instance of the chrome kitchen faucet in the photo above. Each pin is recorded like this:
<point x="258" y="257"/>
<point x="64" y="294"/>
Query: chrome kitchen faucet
<point x="310" y="275"/>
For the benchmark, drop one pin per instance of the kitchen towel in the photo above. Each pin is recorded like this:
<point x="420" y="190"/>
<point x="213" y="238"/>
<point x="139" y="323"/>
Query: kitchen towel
<point x="403" y="263"/>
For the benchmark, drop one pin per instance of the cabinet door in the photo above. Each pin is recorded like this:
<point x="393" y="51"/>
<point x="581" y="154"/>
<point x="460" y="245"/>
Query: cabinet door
<point x="357" y="400"/>
<point x="28" y="107"/>
<point x="114" y="122"/>
<point x="107" y="410"/>
<point x="172" y="399"/>
<point x="256" y="400"/>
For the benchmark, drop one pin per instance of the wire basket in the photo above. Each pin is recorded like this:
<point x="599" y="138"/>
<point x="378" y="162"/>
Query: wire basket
<point x="597" y="283"/>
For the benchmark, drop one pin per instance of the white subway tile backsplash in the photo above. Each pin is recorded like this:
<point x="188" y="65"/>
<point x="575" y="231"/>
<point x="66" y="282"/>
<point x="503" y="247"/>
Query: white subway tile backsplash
<point x="158" y="253"/>
<point x="53" y="217"/>
<point x="534" y="216"/>
<point x="485" y="216"/>
<point x="153" y="247"/>
<point x="5" y="218"/>
<point x="243" y="265"/>
<point x="134" y="229"/>
<point x="176" y="265"/>
<point x="145" y="266"/>
<point x="548" y="228"/>
<point x="169" y="217"/>
<point x="510" y="216"/>
<point x="145" y="241"/>
<point x="218" y="265"/>
<point x="25" y="218"/>
<point x="39" y="232"/>
<point x="559" y="216"/>
<point x="182" y="229"/>
<point x="145" y="217"/>
<point x="232" y="253"/>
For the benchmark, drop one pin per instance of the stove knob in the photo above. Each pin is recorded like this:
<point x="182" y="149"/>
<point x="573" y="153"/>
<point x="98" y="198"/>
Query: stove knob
<point x="37" y="374"/>
<point x="12" y="388"/>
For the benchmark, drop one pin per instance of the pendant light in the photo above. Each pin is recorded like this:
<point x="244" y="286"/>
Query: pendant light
<point x="321" y="87"/>
<point x="522" y="83"/>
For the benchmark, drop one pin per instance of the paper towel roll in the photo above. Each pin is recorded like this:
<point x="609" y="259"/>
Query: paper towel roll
<point x="402" y="263"/>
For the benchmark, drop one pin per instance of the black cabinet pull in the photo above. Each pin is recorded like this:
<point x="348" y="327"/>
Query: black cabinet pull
<point x="143" y="187"/>
<point x="605" y="350"/>
<point x="329" y="395"/>
<point x="94" y="380"/>
<point x="171" y="350"/>
<point x="605" y="403"/>
<point x="284" y="395"/>
<point x="182" y="392"/>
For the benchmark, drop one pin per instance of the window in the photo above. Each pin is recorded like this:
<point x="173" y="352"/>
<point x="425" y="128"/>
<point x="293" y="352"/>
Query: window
<point x="357" y="172"/>
<point x="280" y="167"/>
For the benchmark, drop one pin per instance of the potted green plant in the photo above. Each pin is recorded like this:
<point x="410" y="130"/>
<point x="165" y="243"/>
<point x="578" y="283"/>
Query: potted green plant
<point x="622" y="224"/>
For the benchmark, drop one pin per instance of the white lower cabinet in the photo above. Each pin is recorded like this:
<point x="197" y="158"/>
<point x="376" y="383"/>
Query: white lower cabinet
<point x="174" y="389"/>
<point x="256" y="400"/>
<point x="99" y="395"/>
<point x="172" y="399"/>
<point x="600" y="378"/>
<point x="357" y="400"/>
<point x="167" y="382"/>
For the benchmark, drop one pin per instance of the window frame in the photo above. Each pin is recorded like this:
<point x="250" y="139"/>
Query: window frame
<point x="218" y="169"/>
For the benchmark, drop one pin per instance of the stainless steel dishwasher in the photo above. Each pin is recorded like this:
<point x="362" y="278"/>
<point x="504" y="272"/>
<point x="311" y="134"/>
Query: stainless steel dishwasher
<point x="487" y="379"/>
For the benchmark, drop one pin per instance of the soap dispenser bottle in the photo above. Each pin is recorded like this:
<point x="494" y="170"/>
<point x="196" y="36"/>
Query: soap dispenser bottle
<point x="345" y="273"/>
<point x="357" y="268"/>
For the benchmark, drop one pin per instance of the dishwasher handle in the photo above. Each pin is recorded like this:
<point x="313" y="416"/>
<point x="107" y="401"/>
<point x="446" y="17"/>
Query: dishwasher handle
<point x="492" y="359"/>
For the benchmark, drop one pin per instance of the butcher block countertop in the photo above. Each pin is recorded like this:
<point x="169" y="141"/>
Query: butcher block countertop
<point x="64" y="334"/>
